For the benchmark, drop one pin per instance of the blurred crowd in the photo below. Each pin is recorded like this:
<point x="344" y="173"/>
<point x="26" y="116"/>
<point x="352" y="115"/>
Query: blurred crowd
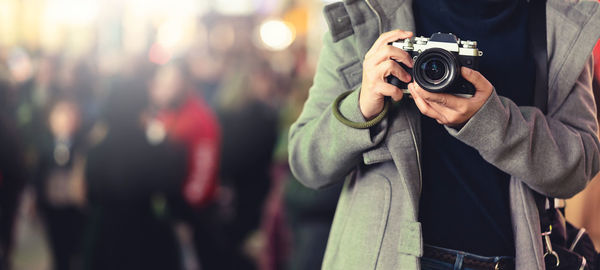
<point x="158" y="160"/>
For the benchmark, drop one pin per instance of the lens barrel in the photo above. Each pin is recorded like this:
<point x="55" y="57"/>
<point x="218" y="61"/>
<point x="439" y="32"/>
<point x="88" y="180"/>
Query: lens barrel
<point x="436" y="69"/>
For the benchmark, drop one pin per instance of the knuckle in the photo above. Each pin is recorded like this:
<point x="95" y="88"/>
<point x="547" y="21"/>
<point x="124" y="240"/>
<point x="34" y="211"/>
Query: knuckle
<point x="404" y="55"/>
<point x="443" y="100"/>
<point x="387" y="50"/>
<point x="388" y="65"/>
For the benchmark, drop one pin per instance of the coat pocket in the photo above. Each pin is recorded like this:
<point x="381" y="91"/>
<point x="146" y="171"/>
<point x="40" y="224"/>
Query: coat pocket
<point x="377" y="155"/>
<point x="363" y="226"/>
<point x="410" y="239"/>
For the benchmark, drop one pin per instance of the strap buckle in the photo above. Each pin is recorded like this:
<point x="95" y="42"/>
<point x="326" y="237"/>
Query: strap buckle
<point x="549" y="250"/>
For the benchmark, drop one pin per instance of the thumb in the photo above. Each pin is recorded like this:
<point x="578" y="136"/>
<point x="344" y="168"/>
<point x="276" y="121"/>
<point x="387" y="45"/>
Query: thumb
<point x="474" y="77"/>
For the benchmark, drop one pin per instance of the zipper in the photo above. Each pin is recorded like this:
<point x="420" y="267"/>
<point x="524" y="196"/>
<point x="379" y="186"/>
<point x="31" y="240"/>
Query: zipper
<point x="412" y="129"/>
<point x="380" y="25"/>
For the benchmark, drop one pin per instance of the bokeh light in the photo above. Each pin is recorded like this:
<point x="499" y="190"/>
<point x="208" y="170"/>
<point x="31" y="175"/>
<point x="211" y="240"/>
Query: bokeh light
<point x="276" y="34"/>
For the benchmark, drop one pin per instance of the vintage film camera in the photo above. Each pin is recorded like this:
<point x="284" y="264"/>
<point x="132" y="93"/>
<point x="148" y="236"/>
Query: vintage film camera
<point x="437" y="62"/>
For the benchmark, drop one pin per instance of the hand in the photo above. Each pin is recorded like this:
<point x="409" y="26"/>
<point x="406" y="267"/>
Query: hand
<point x="378" y="64"/>
<point x="451" y="110"/>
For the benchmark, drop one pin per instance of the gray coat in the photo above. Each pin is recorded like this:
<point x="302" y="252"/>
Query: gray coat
<point x="376" y="224"/>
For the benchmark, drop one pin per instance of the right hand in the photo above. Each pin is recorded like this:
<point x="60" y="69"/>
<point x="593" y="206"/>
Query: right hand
<point x="378" y="64"/>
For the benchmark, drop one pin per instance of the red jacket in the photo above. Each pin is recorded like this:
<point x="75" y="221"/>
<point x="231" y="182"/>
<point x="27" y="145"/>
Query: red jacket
<point x="195" y="126"/>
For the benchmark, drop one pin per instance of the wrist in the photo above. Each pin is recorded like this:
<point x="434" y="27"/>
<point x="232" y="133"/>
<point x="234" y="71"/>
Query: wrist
<point x="369" y="109"/>
<point x="354" y="118"/>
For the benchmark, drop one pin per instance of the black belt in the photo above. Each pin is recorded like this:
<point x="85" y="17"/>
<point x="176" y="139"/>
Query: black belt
<point x="469" y="261"/>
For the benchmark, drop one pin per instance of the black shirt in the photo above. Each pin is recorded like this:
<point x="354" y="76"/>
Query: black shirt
<point x="465" y="200"/>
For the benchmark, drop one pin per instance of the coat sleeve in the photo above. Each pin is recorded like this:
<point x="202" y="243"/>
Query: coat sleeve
<point x="555" y="154"/>
<point x="322" y="150"/>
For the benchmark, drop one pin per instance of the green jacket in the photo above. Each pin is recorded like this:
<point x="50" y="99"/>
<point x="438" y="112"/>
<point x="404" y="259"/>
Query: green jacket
<point x="376" y="224"/>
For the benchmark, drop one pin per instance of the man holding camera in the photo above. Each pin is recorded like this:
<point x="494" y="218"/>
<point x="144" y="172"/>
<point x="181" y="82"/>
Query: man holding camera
<point x="436" y="180"/>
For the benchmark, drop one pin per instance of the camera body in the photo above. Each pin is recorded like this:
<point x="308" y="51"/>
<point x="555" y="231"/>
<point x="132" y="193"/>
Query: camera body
<point x="437" y="63"/>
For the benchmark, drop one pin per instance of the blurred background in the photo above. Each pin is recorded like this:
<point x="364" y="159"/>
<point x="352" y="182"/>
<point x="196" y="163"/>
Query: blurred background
<point x="153" y="135"/>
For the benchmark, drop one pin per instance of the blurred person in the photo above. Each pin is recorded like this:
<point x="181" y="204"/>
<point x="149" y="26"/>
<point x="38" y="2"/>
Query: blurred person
<point x="58" y="175"/>
<point x="185" y="117"/>
<point x="248" y="117"/>
<point x="34" y="97"/>
<point x="12" y="170"/>
<point x="133" y="179"/>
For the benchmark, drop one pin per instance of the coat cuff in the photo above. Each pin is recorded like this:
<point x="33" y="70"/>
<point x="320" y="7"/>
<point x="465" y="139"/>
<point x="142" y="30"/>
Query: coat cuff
<point x="349" y="108"/>
<point x="487" y="120"/>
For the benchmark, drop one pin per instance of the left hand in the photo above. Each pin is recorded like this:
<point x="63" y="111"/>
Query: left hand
<point x="451" y="110"/>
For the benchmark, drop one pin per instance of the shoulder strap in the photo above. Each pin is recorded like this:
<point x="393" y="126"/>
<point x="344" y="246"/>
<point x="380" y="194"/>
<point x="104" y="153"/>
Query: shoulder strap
<point x="538" y="48"/>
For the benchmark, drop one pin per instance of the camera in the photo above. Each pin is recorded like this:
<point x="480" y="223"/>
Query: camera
<point x="437" y="63"/>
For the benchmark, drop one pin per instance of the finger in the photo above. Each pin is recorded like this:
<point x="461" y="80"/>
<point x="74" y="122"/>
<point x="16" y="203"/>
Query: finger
<point x="474" y="77"/>
<point x="391" y="52"/>
<point x="389" y="90"/>
<point x="451" y="116"/>
<point x="423" y="106"/>
<point x="390" y="67"/>
<point x="444" y="100"/>
<point x="390" y="36"/>
<point x="450" y="108"/>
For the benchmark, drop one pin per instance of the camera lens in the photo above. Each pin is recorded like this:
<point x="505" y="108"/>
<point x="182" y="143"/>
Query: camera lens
<point x="434" y="70"/>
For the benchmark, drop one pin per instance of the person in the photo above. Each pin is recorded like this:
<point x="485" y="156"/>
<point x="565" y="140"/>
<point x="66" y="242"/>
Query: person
<point x="12" y="171"/>
<point x="447" y="182"/>
<point x="249" y="128"/>
<point x="132" y="182"/>
<point x="55" y="181"/>
<point x="189" y="121"/>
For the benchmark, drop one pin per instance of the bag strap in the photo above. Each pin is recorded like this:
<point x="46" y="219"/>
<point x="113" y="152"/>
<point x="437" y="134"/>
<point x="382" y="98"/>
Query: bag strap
<point x="538" y="49"/>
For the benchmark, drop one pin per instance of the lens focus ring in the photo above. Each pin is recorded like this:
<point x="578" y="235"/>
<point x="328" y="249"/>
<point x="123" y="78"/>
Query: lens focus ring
<point x="436" y="70"/>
